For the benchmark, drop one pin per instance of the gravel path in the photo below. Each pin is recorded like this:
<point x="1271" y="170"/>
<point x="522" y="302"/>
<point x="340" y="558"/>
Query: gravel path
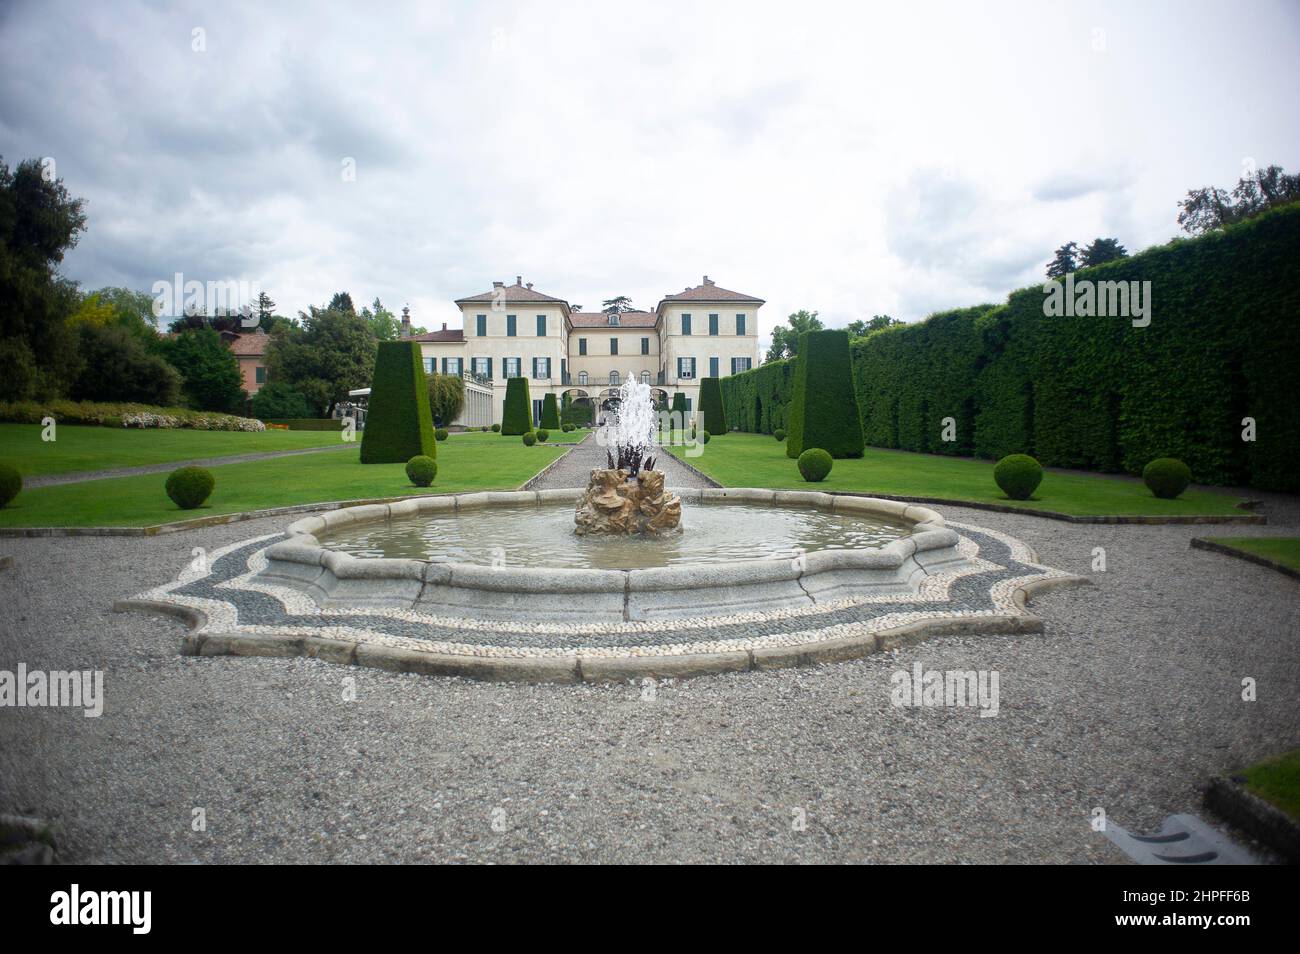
<point x="1128" y="701"/>
<point x="575" y="469"/>
<point x="50" y="480"/>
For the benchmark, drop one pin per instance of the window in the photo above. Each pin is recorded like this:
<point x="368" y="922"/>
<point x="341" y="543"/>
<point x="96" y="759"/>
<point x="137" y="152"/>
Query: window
<point x="451" y="366"/>
<point x="713" y="325"/>
<point x="582" y="346"/>
<point x="511" y="367"/>
<point x="740" y="324"/>
<point x="686" y="367"/>
<point x="428" y="366"/>
<point x="582" y="378"/>
<point x="541" y="326"/>
<point x="740" y="364"/>
<point x="613" y="318"/>
<point x="613" y="379"/>
<point x="480" y="323"/>
<point x="613" y="346"/>
<point x="713" y="367"/>
<point x="483" y="367"/>
<point x="686" y="324"/>
<point x="645" y="345"/>
<point x="510" y="326"/>
<point x="260" y="375"/>
<point x="645" y="377"/>
<point x="541" y="368"/>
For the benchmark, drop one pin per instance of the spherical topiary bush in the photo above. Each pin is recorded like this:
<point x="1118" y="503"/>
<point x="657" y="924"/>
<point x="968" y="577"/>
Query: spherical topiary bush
<point x="496" y="428"/>
<point x="543" y="434"/>
<point x="484" y="428"/>
<point x="421" y="470"/>
<point x="1167" y="477"/>
<point x="706" y="437"/>
<point x="1018" y="475"/>
<point x="440" y="434"/>
<point x="530" y="439"/>
<point x="190" y="486"/>
<point x="779" y="434"/>
<point x="815" y="464"/>
<point x="10" y="483"/>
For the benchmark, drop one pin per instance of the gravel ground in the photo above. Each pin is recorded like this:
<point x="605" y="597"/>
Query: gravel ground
<point x="1129" y="701"/>
<point x="81" y="476"/>
<point x="575" y="469"/>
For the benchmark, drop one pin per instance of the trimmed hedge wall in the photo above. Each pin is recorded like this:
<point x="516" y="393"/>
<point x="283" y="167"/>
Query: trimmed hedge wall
<point x="824" y="407"/>
<point x="1091" y="392"/>
<point x="309" y="423"/>
<point x="550" y="413"/>
<point x="712" y="416"/>
<point x="517" y="413"/>
<point x="398" y="423"/>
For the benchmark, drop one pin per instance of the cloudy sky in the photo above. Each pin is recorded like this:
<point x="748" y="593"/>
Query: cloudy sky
<point x="852" y="158"/>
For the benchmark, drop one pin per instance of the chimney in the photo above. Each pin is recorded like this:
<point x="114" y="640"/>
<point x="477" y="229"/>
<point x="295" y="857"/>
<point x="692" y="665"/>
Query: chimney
<point x="519" y="279"/>
<point x="706" y="280"/>
<point x="498" y="284"/>
<point x="529" y="286"/>
<point x="406" y="321"/>
<point x="444" y="326"/>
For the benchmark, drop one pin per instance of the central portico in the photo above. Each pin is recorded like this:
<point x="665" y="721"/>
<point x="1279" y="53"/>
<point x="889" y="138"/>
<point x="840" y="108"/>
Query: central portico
<point x="516" y="330"/>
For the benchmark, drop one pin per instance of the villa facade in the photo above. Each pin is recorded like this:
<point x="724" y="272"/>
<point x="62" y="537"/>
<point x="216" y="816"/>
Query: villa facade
<point x="515" y="330"/>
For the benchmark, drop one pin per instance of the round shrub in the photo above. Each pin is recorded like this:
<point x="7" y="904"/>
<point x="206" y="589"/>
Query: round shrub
<point x="1018" y="475"/>
<point x="484" y="428"/>
<point x="815" y="464"/>
<point x="190" y="486"/>
<point x="421" y="470"/>
<point x="543" y="434"/>
<point x="10" y="483"/>
<point x="706" y="437"/>
<point x="1167" y="477"/>
<point x="440" y="433"/>
<point x="496" y="428"/>
<point x="779" y="434"/>
<point x="529" y="439"/>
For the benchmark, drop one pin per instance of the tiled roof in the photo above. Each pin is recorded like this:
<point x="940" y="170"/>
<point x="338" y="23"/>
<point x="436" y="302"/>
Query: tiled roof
<point x="600" y="319"/>
<point x="517" y="292"/>
<point x="446" y="334"/>
<point x="708" y="291"/>
<point x="250" y="345"/>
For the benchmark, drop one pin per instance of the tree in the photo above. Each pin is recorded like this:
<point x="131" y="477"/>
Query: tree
<point x="446" y="397"/>
<point x="823" y="403"/>
<point x="517" y="410"/>
<point x="550" y="413"/>
<point x="210" y="378"/>
<point x="785" y="341"/>
<point x="860" y="328"/>
<point x="1102" y="250"/>
<point x="713" y="415"/>
<point x="278" y="401"/>
<point x="398" y="423"/>
<point x="329" y="353"/>
<point x="1064" y="261"/>
<point x="1212" y="208"/>
<point x="39" y="222"/>
<point x="617" y="305"/>
<point x="118" y="368"/>
<point x="342" y="301"/>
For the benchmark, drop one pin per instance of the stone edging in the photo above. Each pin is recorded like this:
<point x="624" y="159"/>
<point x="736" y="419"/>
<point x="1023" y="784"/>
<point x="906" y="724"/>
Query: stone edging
<point x="578" y="667"/>
<point x="1233" y="802"/>
<point x="1200" y="543"/>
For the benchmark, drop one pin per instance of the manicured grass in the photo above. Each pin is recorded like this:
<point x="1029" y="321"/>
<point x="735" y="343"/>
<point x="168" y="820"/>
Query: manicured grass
<point x="1277" y="781"/>
<point x="490" y="437"/>
<point x="1283" y="550"/>
<point x="279" y="482"/>
<point x="77" y="448"/>
<point x="758" y="460"/>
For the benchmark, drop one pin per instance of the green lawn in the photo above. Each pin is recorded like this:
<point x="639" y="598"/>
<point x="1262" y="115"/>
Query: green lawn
<point x="104" y="448"/>
<point x="491" y="437"/>
<point x="756" y="460"/>
<point x="1277" y="781"/>
<point x="1284" y="550"/>
<point x="279" y="482"/>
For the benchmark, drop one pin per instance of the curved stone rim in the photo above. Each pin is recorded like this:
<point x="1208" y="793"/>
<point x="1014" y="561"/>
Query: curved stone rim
<point x="332" y="577"/>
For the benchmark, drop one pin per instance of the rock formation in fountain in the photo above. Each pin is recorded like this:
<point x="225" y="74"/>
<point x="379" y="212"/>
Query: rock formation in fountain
<point x="628" y="496"/>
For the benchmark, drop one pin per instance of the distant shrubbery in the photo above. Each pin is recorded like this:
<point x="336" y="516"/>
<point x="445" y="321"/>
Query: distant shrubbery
<point x="95" y="413"/>
<point x="280" y="402"/>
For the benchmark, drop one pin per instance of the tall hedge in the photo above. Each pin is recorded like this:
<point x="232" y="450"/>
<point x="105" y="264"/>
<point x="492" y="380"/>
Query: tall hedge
<point x="712" y="416"/>
<point x="679" y="404"/>
<point x="824" y="406"/>
<point x="550" y="413"/>
<point x="1096" y="392"/>
<point x="398" y="423"/>
<point x="517" y="414"/>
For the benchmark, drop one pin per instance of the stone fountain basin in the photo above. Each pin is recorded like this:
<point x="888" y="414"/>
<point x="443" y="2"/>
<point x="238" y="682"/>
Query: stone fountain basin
<point x="338" y="581"/>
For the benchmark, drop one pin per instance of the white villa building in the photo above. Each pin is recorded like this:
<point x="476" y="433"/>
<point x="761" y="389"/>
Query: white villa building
<point x="513" y="330"/>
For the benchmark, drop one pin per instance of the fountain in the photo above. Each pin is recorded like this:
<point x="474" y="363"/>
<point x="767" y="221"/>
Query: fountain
<point x="628" y="496"/>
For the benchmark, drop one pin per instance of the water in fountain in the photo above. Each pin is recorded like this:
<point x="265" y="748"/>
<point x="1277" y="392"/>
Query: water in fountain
<point x="630" y="435"/>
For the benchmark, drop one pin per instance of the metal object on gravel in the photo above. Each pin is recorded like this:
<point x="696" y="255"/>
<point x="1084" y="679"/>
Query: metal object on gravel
<point x="1182" y="840"/>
